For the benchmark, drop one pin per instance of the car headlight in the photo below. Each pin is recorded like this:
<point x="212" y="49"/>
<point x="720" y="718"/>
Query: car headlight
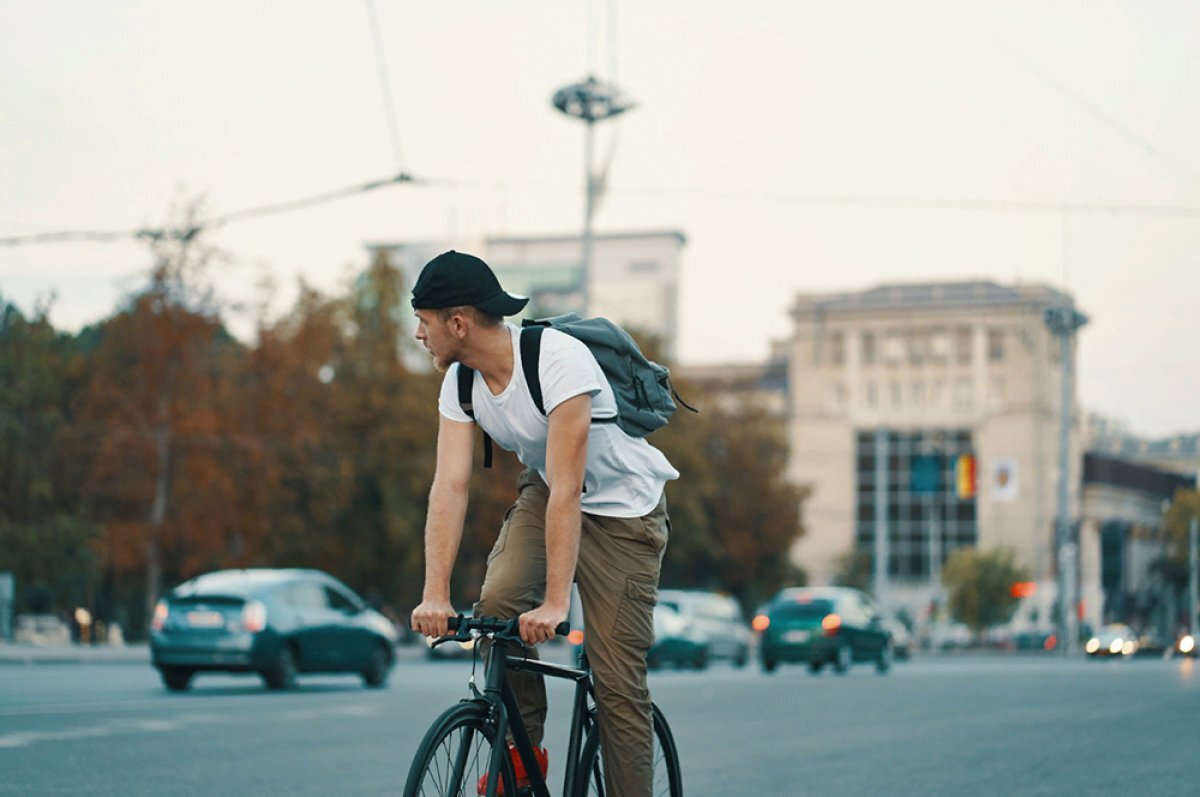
<point x="1187" y="644"/>
<point x="1092" y="645"/>
<point x="1115" y="646"/>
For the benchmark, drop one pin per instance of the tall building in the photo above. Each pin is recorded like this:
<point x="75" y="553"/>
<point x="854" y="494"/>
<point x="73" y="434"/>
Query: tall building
<point x="633" y="280"/>
<point x="930" y="413"/>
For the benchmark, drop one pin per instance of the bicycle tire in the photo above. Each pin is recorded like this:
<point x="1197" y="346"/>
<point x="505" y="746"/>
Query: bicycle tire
<point x="668" y="777"/>
<point x="464" y="730"/>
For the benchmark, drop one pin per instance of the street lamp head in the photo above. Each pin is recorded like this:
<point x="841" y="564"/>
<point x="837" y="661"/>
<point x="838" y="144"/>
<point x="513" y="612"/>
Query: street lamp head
<point x="591" y="101"/>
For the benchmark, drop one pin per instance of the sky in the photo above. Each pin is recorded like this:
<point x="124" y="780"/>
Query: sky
<point x="799" y="146"/>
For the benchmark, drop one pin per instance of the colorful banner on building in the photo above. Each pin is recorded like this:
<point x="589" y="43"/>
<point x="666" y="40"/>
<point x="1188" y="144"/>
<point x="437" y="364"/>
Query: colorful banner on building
<point x="965" y="478"/>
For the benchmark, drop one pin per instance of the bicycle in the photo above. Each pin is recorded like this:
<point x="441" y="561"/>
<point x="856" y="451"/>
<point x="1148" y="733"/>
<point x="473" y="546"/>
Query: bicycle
<point x="468" y="740"/>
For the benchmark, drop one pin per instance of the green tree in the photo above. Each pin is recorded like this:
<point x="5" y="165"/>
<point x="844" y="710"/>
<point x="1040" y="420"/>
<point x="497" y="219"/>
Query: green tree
<point x="42" y="541"/>
<point x="1185" y="505"/>
<point x="979" y="586"/>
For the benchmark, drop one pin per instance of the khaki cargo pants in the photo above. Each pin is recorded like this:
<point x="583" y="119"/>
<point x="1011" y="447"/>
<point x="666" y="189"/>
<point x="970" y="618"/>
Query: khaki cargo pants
<point x="617" y="576"/>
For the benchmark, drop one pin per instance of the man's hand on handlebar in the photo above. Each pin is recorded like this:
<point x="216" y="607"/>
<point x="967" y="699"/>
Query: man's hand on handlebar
<point x="541" y="624"/>
<point x="430" y="618"/>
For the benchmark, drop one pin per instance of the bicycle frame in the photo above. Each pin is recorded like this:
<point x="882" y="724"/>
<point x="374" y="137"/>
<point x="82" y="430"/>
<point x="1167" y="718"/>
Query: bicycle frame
<point x="498" y="693"/>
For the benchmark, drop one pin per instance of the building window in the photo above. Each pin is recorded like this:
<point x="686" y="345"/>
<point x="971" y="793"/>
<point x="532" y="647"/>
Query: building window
<point x="927" y="518"/>
<point x="939" y="346"/>
<point x="962" y="345"/>
<point x="872" y="395"/>
<point x="918" y="347"/>
<point x="937" y="390"/>
<point x="868" y="348"/>
<point x="995" y="345"/>
<point x="836" y="396"/>
<point x="837" y="348"/>
<point x="897" y="394"/>
<point x="995" y="393"/>
<point x="893" y="348"/>
<point x="918" y="394"/>
<point x="643" y="267"/>
<point x="963" y="394"/>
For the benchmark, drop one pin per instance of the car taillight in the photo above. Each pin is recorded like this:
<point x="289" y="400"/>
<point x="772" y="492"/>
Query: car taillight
<point x="160" y="616"/>
<point x="254" y="616"/>
<point x="832" y="624"/>
<point x="761" y="623"/>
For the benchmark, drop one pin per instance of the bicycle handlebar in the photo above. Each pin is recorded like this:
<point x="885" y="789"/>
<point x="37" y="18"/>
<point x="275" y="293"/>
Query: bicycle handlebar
<point x="495" y="625"/>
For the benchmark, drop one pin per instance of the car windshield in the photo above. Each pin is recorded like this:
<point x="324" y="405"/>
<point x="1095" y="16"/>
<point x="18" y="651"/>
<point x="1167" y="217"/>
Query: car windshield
<point x="805" y="610"/>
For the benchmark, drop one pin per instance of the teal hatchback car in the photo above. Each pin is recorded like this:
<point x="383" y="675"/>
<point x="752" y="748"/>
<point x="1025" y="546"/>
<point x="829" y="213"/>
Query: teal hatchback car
<point x="816" y="626"/>
<point x="276" y="623"/>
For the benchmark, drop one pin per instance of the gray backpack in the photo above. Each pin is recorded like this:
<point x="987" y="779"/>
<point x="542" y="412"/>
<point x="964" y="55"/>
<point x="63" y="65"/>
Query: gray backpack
<point x="645" y="398"/>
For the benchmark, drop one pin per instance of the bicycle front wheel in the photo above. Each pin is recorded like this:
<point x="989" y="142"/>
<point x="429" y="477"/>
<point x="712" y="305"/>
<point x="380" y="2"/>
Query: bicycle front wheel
<point x="454" y="755"/>
<point x="668" y="779"/>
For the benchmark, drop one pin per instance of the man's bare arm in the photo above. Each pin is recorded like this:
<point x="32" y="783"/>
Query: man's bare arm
<point x="444" y="524"/>
<point x="566" y="461"/>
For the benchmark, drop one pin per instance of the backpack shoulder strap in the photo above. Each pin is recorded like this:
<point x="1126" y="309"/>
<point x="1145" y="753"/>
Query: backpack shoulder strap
<point x="466" y="383"/>
<point x="531" y="355"/>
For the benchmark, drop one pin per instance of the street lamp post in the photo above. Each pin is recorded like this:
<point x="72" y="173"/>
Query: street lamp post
<point x="590" y="101"/>
<point x="1063" y="321"/>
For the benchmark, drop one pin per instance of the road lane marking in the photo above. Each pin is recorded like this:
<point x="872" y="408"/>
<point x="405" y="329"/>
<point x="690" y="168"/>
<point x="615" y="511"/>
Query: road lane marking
<point x="177" y="722"/>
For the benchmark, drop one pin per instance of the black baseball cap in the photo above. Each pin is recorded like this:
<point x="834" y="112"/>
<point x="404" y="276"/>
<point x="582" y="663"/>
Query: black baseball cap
<point x="454" y="279"/>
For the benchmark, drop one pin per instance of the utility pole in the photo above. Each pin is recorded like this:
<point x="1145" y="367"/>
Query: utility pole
<point x="590" y="101"/>
<point x="1063" y="321"/>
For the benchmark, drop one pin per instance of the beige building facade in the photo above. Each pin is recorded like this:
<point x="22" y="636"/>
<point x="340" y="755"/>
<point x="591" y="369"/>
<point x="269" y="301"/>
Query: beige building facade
<point x="898" y="395"/>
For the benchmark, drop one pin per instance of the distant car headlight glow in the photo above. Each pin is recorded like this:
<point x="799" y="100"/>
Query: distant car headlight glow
<point x="1092" y="645"/>
<point x="1129" y="648"/>
<point x="1187" y="644"/>
<point x="1115" y="646"/>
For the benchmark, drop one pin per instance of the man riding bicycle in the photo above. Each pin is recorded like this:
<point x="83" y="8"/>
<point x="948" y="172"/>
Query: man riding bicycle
<point x="590" y="505"/>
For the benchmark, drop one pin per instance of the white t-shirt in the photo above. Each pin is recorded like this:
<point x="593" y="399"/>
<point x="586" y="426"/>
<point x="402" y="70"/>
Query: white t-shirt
<point x="625" y="475"/>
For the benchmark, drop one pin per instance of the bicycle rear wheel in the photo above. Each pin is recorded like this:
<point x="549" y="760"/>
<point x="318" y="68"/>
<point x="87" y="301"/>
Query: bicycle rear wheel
<point x="668" y="778"/>
<point x="454" y="755"/>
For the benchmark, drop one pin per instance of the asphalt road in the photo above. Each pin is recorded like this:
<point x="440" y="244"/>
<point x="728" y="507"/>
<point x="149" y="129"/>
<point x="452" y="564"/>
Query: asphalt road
<point x="943" y="726"/>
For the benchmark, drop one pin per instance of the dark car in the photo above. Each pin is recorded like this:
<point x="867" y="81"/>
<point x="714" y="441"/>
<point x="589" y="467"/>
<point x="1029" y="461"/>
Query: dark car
<point x="276" y="623"/>
<point x="838" y="626"/>
<point x="715" y="616"/>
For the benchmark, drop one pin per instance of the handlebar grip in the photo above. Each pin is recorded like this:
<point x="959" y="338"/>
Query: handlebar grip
<point x="494" y="624"/>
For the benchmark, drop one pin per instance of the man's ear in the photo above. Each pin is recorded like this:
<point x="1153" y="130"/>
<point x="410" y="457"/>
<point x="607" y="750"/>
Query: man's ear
<point x="458" y="325"/>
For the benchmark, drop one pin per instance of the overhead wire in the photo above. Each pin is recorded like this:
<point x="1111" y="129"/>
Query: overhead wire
<point x="1106" y="119"/>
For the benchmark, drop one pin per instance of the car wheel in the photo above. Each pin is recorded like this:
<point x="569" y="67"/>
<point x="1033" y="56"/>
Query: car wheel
<point x="769" y="664"/>
<point x="700" y="662"/>
<point x="884" y="662"/>
<point x="379" y="666"/>
<point x="814" y="667"/>
<point x="741" y="658"/>
<point x="176" y="679"/>
<point x="282" y="672"/>
<point x="842" y="660"/>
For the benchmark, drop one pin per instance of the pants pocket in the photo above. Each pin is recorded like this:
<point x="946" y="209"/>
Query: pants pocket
<point x="635" y="616"/>
<point x="502" y="538"/>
